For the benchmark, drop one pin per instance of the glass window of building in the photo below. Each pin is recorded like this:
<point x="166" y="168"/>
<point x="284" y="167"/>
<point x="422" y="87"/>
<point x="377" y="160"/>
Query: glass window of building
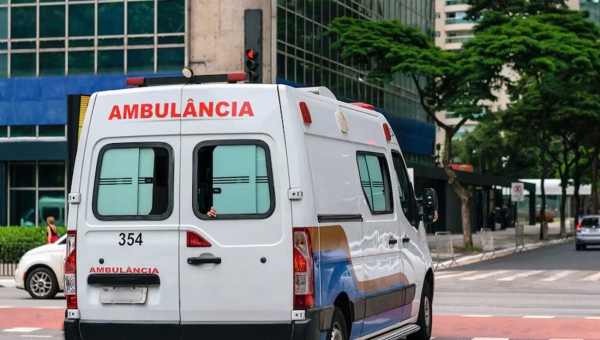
<point x="305" y="57"/>
<point x="36" y="191"/>
<point x="128" y="40"/>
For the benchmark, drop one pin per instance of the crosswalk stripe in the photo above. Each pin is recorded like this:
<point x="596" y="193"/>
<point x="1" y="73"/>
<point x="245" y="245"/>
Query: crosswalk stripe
<point x="483" y="276"/>
<point x="437" y="277"/>
<point x="594" y="277"/>
<point x="558" y="275"/>
<point x="520" y="275"/>
<point x="537" y="317"/>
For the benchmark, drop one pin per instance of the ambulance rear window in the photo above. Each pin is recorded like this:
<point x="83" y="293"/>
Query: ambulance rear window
<point x="235" y="178"/>
<point x="133" y="181"/>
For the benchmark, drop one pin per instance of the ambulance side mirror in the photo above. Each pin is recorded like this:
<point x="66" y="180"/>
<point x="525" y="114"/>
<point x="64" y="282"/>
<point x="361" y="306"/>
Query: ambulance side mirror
<point x="430" y="206"/>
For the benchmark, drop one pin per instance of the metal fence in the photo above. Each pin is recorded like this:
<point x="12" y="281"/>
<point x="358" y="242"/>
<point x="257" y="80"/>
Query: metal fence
<point x="487" y="243"/>
<point x="444" y="248"/>
<point x="11" y="253"/>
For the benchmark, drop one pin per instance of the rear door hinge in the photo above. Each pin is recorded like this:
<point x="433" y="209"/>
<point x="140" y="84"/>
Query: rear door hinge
<point x="295" y="194"/>
<point x="74" y="198"/>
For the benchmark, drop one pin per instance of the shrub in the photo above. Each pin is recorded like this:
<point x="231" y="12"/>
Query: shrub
<point x="16" y="241"/>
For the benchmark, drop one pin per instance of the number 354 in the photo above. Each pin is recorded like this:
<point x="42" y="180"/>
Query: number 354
<point x="130" y="239"/>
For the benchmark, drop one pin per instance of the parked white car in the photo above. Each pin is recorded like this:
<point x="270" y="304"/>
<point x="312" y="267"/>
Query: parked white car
<point x="40" y="270"/>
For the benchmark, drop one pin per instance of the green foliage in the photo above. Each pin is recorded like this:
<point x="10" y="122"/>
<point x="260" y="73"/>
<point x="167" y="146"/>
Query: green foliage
<point x="390" y="48"/>
<point x="485" y="146"/>
<point x="16" y="241"/>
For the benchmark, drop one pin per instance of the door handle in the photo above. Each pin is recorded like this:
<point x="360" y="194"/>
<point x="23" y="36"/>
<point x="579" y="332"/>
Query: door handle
<point x="405" y="239"/>
<point x="204" y="260"/>
<point x="392" y="241"/>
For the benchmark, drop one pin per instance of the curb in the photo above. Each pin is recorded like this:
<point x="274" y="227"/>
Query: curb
<point x="466" y="260"/>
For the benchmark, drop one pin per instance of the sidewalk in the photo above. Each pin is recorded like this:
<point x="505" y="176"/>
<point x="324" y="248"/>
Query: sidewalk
<point x="7" y="282"/>
<point x="504" y="243"/>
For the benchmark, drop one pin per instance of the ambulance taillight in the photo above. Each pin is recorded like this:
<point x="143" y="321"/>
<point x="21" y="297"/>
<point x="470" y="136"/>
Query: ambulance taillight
<point x="304" y="286"/>
<point x="71" y="270"/>
<point x="306" y="117"/>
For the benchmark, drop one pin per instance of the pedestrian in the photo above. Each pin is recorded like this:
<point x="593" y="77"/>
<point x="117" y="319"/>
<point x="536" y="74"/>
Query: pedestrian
<point x="51" y="230"/>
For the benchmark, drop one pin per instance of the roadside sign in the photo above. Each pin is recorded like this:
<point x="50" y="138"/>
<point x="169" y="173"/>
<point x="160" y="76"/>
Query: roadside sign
<point x="517" y="192"/>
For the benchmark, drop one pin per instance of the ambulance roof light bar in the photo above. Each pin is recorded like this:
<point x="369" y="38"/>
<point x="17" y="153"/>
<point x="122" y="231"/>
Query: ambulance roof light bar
<point x="187" y="78"/>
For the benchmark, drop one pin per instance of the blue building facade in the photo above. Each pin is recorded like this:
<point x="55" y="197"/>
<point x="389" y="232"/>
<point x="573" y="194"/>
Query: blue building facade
<point x="49" y="50"/>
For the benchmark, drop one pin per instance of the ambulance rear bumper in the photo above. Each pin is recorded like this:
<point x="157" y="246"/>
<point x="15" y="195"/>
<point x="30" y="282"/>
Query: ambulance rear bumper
<point x="316" y="323"/>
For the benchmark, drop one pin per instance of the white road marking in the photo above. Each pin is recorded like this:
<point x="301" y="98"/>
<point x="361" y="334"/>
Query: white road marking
<point x="483" y="276"/>
<point x="438" y="277"/>
<point x="538" y="317"/>
<point x="36" y="336"/>
<point x="477" y="316"/>
<point x="558" y="275"/>
<point x="592" y="317"/>
<point x="22" y="329"/>
<point x="51" y="307"/>
<point x="490" y="339"/>
<point x="594" y="277"/>
<point x="520" y="275"/>
<point x="1" y="307"/>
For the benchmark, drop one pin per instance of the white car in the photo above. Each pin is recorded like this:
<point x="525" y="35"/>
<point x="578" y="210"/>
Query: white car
<point x="40" y="270"/>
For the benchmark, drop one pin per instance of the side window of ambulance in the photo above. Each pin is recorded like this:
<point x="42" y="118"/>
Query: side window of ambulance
<point x="133" y="182"/>
<point x="404" y="190"/>
<point x="235" y="178"/>
<point x="375" y="182"/>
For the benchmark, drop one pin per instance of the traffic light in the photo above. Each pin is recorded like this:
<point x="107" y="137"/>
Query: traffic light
<point x="252" y="65"/>
<point x="253" y="44"/>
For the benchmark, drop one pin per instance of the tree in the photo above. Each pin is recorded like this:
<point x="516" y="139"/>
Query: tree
<point x="549" y="52"/>
<point x="498" y="12"/>
<point x="485" y="147"/>
<point x="437" y="75"/>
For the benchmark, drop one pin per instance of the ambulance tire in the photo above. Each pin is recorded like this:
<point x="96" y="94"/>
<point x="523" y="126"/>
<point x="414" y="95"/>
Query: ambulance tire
<point x="425" y="320"/>
<point x="46" y="285"/>
<point x="339" y="329"/>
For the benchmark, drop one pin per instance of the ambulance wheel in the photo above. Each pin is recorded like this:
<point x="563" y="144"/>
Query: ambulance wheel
<point x="41" y="283"/>
<point x="425" y="320"/>
<point x="339" y="329"/>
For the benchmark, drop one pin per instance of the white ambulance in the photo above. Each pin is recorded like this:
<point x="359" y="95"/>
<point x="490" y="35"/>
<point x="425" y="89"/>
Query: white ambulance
<point x="204" y="208"/>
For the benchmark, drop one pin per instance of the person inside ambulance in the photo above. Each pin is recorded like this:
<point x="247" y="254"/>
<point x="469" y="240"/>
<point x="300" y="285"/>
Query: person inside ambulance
<point x="212" y="212"/>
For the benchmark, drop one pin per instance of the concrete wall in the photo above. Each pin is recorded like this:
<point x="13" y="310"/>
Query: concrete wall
<point x="216" y="38"/>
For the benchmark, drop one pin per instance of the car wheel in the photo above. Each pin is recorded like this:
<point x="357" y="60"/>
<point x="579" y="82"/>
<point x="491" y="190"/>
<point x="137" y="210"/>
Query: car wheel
<point x="425" y="320"/>
<point x="41" y="283"/>
<point x="339" y="329"/>
<point x="577" y="247"/>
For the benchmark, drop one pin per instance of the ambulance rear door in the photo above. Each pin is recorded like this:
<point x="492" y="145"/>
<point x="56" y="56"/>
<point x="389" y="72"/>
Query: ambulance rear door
<point x="128" y="231"/>
<point x="236" y="269"/>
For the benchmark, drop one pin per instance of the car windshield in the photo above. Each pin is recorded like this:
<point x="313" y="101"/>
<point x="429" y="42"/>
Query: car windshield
<point x="590" y="222"/>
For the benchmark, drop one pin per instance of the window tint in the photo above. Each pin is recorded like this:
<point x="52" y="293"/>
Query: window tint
<point x="405" y="192"/>
<point x="235" y="179"/>
<point x="375" y="181"/>
<point x="590" y="222"/>
<point x="133" y="182"/>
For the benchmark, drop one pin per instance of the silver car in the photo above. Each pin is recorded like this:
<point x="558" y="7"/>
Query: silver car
<point x="588" y="232"/>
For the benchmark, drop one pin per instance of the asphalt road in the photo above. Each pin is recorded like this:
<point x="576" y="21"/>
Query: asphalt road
<point x="547" y="293"/>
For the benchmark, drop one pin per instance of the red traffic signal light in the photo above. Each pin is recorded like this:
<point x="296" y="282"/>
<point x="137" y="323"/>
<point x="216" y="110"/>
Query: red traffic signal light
<point x="252" y="54"/>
